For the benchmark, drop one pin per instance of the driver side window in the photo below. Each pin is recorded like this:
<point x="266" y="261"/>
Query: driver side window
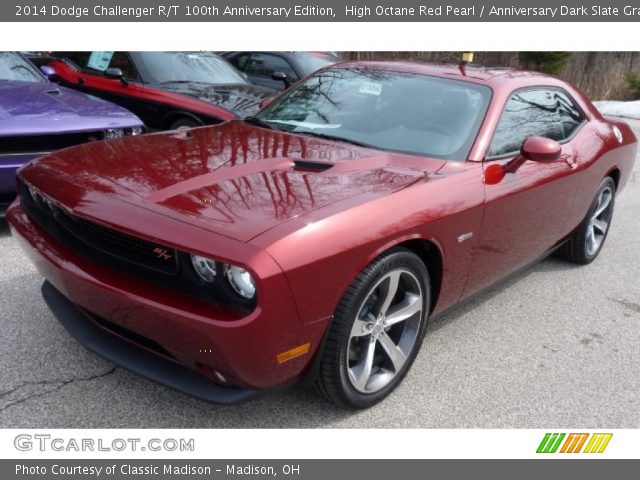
<point x="264" y="65"/>
<point x="123" y="61"/>
<point x="542" y="112"/>
<point x="98" y="62"/>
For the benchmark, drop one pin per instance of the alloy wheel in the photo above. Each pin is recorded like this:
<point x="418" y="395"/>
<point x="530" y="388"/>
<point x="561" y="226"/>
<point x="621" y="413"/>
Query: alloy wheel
<point x="599" y="222"/>
<point x="385" y="331"/>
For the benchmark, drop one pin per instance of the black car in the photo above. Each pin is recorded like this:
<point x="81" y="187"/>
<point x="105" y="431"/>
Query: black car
<point x="278" y="70"/>
<point x="165" y="89"/>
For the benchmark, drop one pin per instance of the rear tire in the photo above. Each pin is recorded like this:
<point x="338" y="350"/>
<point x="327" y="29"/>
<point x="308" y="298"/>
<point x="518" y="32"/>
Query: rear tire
<point x="376" y="332"/>
<point x="585" y="244"/>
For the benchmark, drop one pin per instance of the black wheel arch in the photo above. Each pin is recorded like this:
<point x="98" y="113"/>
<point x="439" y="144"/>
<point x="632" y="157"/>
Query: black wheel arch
<point x="430" y="255"/>
<point x="169" y="118"/>
<point x="614" y="173"/>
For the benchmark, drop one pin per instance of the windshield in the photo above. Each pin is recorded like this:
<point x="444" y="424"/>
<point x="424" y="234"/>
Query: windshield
<point x="15" y="68"/>
<point x="396" y="111"/>
<point x="201" y="67"/>
<point x="312" y="61"/>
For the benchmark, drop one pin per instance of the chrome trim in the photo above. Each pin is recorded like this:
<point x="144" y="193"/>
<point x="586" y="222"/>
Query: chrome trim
<point x="24" y="154"/>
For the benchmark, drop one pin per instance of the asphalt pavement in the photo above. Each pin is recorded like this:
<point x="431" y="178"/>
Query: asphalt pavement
<point x="557" y="345"/>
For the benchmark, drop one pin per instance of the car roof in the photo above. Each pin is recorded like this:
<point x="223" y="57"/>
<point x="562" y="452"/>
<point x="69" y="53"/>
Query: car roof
<point x="469" y="73"/>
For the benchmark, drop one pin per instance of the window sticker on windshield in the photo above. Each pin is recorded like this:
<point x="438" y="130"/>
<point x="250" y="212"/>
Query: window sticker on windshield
<point x="99" y="60"/>
<point x="371" y="88"/>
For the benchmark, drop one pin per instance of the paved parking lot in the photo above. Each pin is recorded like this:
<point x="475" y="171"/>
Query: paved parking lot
<point x="557" y="345"/>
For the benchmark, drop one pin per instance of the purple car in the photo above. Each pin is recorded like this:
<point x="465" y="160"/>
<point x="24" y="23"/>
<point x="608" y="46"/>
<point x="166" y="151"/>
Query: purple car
<point x="38" y="117"/>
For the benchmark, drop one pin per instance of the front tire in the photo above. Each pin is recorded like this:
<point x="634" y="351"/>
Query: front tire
<point x="184" y="122"/>
<point x="587" y="241"/>
<point x="376" y="331"/>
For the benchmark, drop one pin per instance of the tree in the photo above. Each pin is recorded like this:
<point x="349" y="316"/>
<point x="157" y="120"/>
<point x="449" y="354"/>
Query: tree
<point x="545" y="62"/>
<point x="633" y="81"/>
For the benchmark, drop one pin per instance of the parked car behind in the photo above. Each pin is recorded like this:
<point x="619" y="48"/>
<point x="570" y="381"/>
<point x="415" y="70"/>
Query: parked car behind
<point x="278" y="70"/>
<point x="166" y="90"/>
<point x="38" y="117"/>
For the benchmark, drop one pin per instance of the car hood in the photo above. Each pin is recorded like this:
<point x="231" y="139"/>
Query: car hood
<point x="233" y="179"/>
<point x="39" y="108"/>
<point x="241" y="99"/>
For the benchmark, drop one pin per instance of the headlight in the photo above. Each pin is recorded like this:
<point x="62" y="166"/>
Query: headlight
<point x="111" y="133"/>
<point x="38" y="198"/>
<point x="228" y="281"/>
<point x="241" y="281"/>
<point x="134" y="131"/>
<point x="33" y="193"/>
<point x="204" y="267"/>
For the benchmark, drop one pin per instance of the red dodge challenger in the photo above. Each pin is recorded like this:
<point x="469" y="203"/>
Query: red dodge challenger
<point x="313" y="241"/>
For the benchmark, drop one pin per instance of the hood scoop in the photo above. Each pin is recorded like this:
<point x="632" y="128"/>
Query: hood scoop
<point x="310" y="166"/>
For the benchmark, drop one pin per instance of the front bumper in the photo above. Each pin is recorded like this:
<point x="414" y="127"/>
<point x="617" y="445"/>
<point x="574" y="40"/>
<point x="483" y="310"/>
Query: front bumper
<point x="9" y="165"/>
<point x="114" y="348"/>
<point x="169" y="327"/>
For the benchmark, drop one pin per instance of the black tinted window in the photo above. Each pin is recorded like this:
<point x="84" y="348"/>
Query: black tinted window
<point x="546" y="113"/>
<point x="79" y="59"/>
<point x="240" y="61"/>
<point x="264" y="65"/>
<point x="122" y="61"/>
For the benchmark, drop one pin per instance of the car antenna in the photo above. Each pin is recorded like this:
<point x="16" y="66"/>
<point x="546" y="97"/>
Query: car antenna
<point x="467" y="57"/>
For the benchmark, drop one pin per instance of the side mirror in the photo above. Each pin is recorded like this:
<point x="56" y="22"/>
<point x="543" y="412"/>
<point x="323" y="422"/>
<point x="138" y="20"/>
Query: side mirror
<point x="116" y="74"/>
<point x="267" y="101"/>
<point x="113" y="73"/>
<point x="48" y="72"/>
<point x="540" y="149"/>
<point x="536" y="149"/>
<point x="281" y="77"/>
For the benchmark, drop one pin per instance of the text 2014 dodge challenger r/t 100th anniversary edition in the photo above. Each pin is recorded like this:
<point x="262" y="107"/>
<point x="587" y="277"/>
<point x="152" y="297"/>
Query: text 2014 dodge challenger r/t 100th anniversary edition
<point x="314" y="240"/>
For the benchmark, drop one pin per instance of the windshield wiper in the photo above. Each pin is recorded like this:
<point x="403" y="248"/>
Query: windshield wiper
<point x="338" y="138"/>
<point x="265" y="124"/>
<point x="260" y="123"/>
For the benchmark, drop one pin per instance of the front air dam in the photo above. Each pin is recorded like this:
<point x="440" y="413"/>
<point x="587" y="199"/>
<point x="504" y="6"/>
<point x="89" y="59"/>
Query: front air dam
<point x="136" y="359"/>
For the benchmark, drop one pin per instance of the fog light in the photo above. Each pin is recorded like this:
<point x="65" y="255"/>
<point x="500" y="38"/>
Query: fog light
<point x="241" y="281"/>
<point x="204" y="267"/>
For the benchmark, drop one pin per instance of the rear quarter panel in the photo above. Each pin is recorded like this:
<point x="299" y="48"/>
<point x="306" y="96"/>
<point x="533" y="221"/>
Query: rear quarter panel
<point x="607" y="156"/>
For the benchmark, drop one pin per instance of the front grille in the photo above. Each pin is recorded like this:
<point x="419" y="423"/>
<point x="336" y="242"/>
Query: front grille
<point x="151" y="262"/>
<point x="96" y="241"/>
<point x="111" y="242"/>
<point x="45" y="143"/>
